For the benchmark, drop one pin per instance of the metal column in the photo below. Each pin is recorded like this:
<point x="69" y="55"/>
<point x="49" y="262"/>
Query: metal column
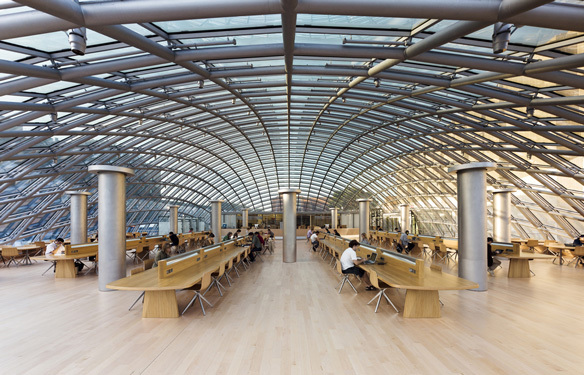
<point x="472" y="221"/>
<point x="216" y="219"/>
<point x="111" y="222"/>
<point x="405" y="222"/>
<point x="78" y="216"/>
<point x="363" y="216"/>
<point x="244" y="218"/>
<point x="289" y="197"/>
<point x="502" y="215"/>
<point x="334" y="216"/>
<point x="173" y="219"/>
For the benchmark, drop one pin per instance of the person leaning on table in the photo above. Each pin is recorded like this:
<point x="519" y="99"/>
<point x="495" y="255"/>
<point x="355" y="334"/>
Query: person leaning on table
<point x="56" y="247"/>
<point x="350" y="262"/>
<point x="162" y="254"/>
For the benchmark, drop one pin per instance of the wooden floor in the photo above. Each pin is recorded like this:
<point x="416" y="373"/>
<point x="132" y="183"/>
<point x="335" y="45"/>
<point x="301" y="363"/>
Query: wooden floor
<point x="288" y="319"/>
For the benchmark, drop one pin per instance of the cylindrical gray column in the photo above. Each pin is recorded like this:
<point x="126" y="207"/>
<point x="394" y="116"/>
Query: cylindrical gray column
<point x="111" y="222"/>
<point x="78" y="216"/>
<point x="472" y="221"/>
<point x="216" y="219"/>
<point x="244" y="218"/>
<point x="173" y="218"/>
<point x="502" y="215"/>
<point x="334" y="216"/>
<point x="289" y="197"/>
<point x="363" y="216"/>
<point x="405" y="222"/>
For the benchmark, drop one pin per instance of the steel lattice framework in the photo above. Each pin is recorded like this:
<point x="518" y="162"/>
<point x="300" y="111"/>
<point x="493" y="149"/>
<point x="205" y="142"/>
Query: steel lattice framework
<point x="235" y="99"/>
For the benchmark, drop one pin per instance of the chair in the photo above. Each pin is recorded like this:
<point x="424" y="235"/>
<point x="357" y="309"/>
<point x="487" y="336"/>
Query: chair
<point x="204" y="284"/>
<point x="94" y="265"/>
<point x="578" y="256"/>
<point x="258" y="254"/>
<point x="531" y="244"/>
<point x="148" y="264"/>
<point x="134" y="272"/>
<point x="42" y="246"/>
<point x="345" y="278"/>
<point x="10" y="253"/>
<point x="382" y="287"/>
<point x="215" y="277"/>
<point x="236" y="263"/>
<point x="451" y="254"/>
<point x="227" y="270"/>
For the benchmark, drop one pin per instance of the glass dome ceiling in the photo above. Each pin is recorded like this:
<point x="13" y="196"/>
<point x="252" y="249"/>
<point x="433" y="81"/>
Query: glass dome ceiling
<point x="237" y="99"/>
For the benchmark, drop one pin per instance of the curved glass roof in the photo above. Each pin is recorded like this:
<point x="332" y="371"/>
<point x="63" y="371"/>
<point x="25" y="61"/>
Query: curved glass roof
<point x="235" y="100"/>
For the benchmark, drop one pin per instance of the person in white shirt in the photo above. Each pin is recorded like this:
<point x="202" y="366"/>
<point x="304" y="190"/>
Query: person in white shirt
<point x="314" y="240"/>
<point x="350" y="262"/>
<point x="308" y="234"/>
<point x="55" y="248"/>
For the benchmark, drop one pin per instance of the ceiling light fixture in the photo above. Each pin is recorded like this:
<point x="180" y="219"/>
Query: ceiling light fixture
<point x="501" y="35"/>
<point x="77" y="40"/>
<point x="376" y="82"/>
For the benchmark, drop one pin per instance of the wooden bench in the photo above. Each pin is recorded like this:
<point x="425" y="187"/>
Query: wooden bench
<point x="179" y="272"/>
<point x="422" y="283"/>
<point x="65" y="263"/>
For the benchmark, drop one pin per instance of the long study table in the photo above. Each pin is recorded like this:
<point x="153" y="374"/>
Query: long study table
<point x="160" y="292"/>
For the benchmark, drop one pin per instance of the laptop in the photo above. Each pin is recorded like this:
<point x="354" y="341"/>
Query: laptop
<point x="372" y="259"/>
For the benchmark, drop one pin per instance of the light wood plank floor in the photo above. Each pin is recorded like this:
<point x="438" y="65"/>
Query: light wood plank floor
<point x="288" y="319"/>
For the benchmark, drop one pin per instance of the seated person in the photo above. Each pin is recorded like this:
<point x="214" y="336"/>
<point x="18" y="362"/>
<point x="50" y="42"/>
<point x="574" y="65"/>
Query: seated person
<point x="314" y="240"/>
<point x="228" y="236"/>
<point x="56" y="247"/>
<point x="173" y="238"/>
<point x="210" y="240"/>
<point x="308" y="234"/>
<point x="492" y="262"/>
<point x="349" y="263"/>
<point x="336" y="233"/>
<point x="271" y="241"/>
<point x="260" y="237"/>
<point x="256" y="245"/>
<point x="236" y="234"/>
<point x="270" y="233"/>
<point x="579" y="241"/>
<point x="163" y="254"/>
<point x="404" y="243"/>
<point x="364" y="239"/>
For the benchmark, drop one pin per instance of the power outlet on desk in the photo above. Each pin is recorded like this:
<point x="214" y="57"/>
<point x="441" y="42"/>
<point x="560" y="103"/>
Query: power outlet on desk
<point x="412" y="270"/>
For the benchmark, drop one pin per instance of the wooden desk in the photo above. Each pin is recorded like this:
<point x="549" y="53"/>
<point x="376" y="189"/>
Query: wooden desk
<point x="65" y="264"/>
<point x="160" y="292"/>
<point x="26" y="249"/>
<point x="559" y="248"/>
<point x="421" y="283"/>
<point x="519" y="263"/>
<point x="422" y="298"/>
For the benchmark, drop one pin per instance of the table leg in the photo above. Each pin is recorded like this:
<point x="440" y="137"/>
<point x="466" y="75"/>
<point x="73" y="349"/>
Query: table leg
<point x="26" y="258"/>
<point x="518" y="268"/>
<point x="160" y="304"/>
<point x="65" y="269"/>
<point x="422" y="304"/>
